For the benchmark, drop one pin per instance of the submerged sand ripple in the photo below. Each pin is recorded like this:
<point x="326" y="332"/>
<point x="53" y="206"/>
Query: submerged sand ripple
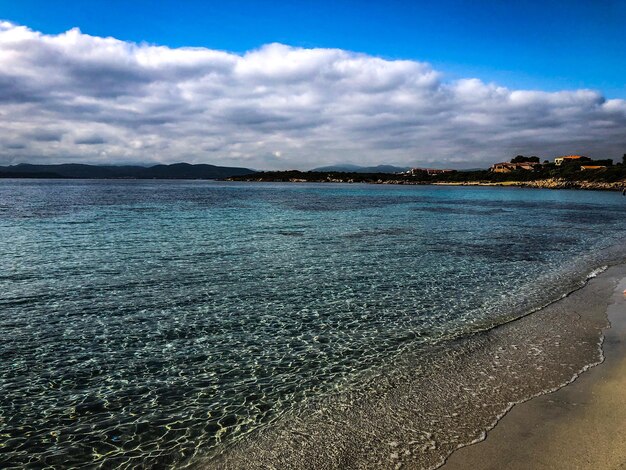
<point x="425" y="406"/>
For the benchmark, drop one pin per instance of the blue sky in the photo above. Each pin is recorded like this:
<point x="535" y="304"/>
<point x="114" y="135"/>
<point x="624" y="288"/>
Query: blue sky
<point x="548" y="45"/>
<point x="281" y="85"/>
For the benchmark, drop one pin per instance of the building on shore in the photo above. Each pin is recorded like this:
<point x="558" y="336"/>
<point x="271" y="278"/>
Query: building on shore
<point x="558" y="161"/>
<point x="508" y="167"/>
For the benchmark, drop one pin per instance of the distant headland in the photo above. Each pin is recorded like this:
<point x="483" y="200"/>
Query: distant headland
<point x="563" y="172"/>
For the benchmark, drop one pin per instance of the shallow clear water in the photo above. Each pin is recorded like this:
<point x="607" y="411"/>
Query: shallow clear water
<point x="144" y="322"/>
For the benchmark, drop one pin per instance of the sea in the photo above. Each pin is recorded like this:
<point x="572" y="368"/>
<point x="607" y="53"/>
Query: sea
<point x="153" y="323"/>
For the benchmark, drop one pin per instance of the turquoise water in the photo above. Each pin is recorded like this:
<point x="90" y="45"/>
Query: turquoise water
<point x="144" y="323"/>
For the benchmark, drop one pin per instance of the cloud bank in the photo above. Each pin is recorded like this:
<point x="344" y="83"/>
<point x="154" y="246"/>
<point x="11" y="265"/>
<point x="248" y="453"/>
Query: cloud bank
<point x="78" y="98"/>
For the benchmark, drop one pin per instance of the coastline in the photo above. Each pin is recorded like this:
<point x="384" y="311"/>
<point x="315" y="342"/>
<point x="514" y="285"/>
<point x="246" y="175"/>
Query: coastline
<point x="577" y="427"/>
<point x="415" y="418"/>
<point x="551" y="183"/>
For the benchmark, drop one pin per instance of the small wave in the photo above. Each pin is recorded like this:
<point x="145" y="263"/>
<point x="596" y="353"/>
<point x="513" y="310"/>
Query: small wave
<point x="596" y="272"/>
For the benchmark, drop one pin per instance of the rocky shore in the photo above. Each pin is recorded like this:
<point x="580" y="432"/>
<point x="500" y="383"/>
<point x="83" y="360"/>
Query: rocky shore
<point x="551" y="183"/>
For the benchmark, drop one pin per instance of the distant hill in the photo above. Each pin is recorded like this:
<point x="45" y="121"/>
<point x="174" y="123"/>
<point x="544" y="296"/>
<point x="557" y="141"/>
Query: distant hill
<point x="348" y="168"/>
<point x="77" y="170"/>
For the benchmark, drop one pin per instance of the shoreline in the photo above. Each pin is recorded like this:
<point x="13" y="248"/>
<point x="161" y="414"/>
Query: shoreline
<point x="418" y="419"/>
<point x="574" y="427"/>
<point x="552" y="183"/>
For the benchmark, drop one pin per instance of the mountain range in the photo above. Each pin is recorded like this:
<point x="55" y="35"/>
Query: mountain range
<point x="77" y="170"/>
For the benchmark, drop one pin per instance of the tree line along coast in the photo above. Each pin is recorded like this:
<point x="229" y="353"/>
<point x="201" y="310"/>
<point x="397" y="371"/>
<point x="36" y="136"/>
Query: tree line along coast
<point x="563" y="172"/>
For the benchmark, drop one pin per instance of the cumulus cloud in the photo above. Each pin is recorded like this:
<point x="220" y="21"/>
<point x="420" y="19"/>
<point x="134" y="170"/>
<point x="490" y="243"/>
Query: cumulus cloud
<point x="75" y="97"/>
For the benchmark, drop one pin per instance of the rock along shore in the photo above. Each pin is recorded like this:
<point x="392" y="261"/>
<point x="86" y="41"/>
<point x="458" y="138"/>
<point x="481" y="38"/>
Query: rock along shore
<point x="552" y="183"/>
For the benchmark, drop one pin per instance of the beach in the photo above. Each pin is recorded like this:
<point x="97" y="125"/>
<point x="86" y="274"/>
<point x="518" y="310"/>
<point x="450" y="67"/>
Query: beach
<point x="580" y="426"/>
<point x="501" y="380"/>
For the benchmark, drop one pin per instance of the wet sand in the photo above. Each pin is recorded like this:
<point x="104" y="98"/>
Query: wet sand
<point x="581" y="426"/>
<point x="419" y="411"/>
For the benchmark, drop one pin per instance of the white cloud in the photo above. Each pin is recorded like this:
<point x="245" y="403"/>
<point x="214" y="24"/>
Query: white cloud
<point x="75" y="97"/>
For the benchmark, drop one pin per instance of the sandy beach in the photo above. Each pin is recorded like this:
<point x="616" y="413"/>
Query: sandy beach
<point x="581" y="426"/>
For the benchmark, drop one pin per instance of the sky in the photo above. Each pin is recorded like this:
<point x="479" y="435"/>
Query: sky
<point x="278" y="85"/>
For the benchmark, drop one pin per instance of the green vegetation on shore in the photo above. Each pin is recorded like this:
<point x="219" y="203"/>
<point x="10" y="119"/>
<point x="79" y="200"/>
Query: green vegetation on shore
<point x="566" y="175"/>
